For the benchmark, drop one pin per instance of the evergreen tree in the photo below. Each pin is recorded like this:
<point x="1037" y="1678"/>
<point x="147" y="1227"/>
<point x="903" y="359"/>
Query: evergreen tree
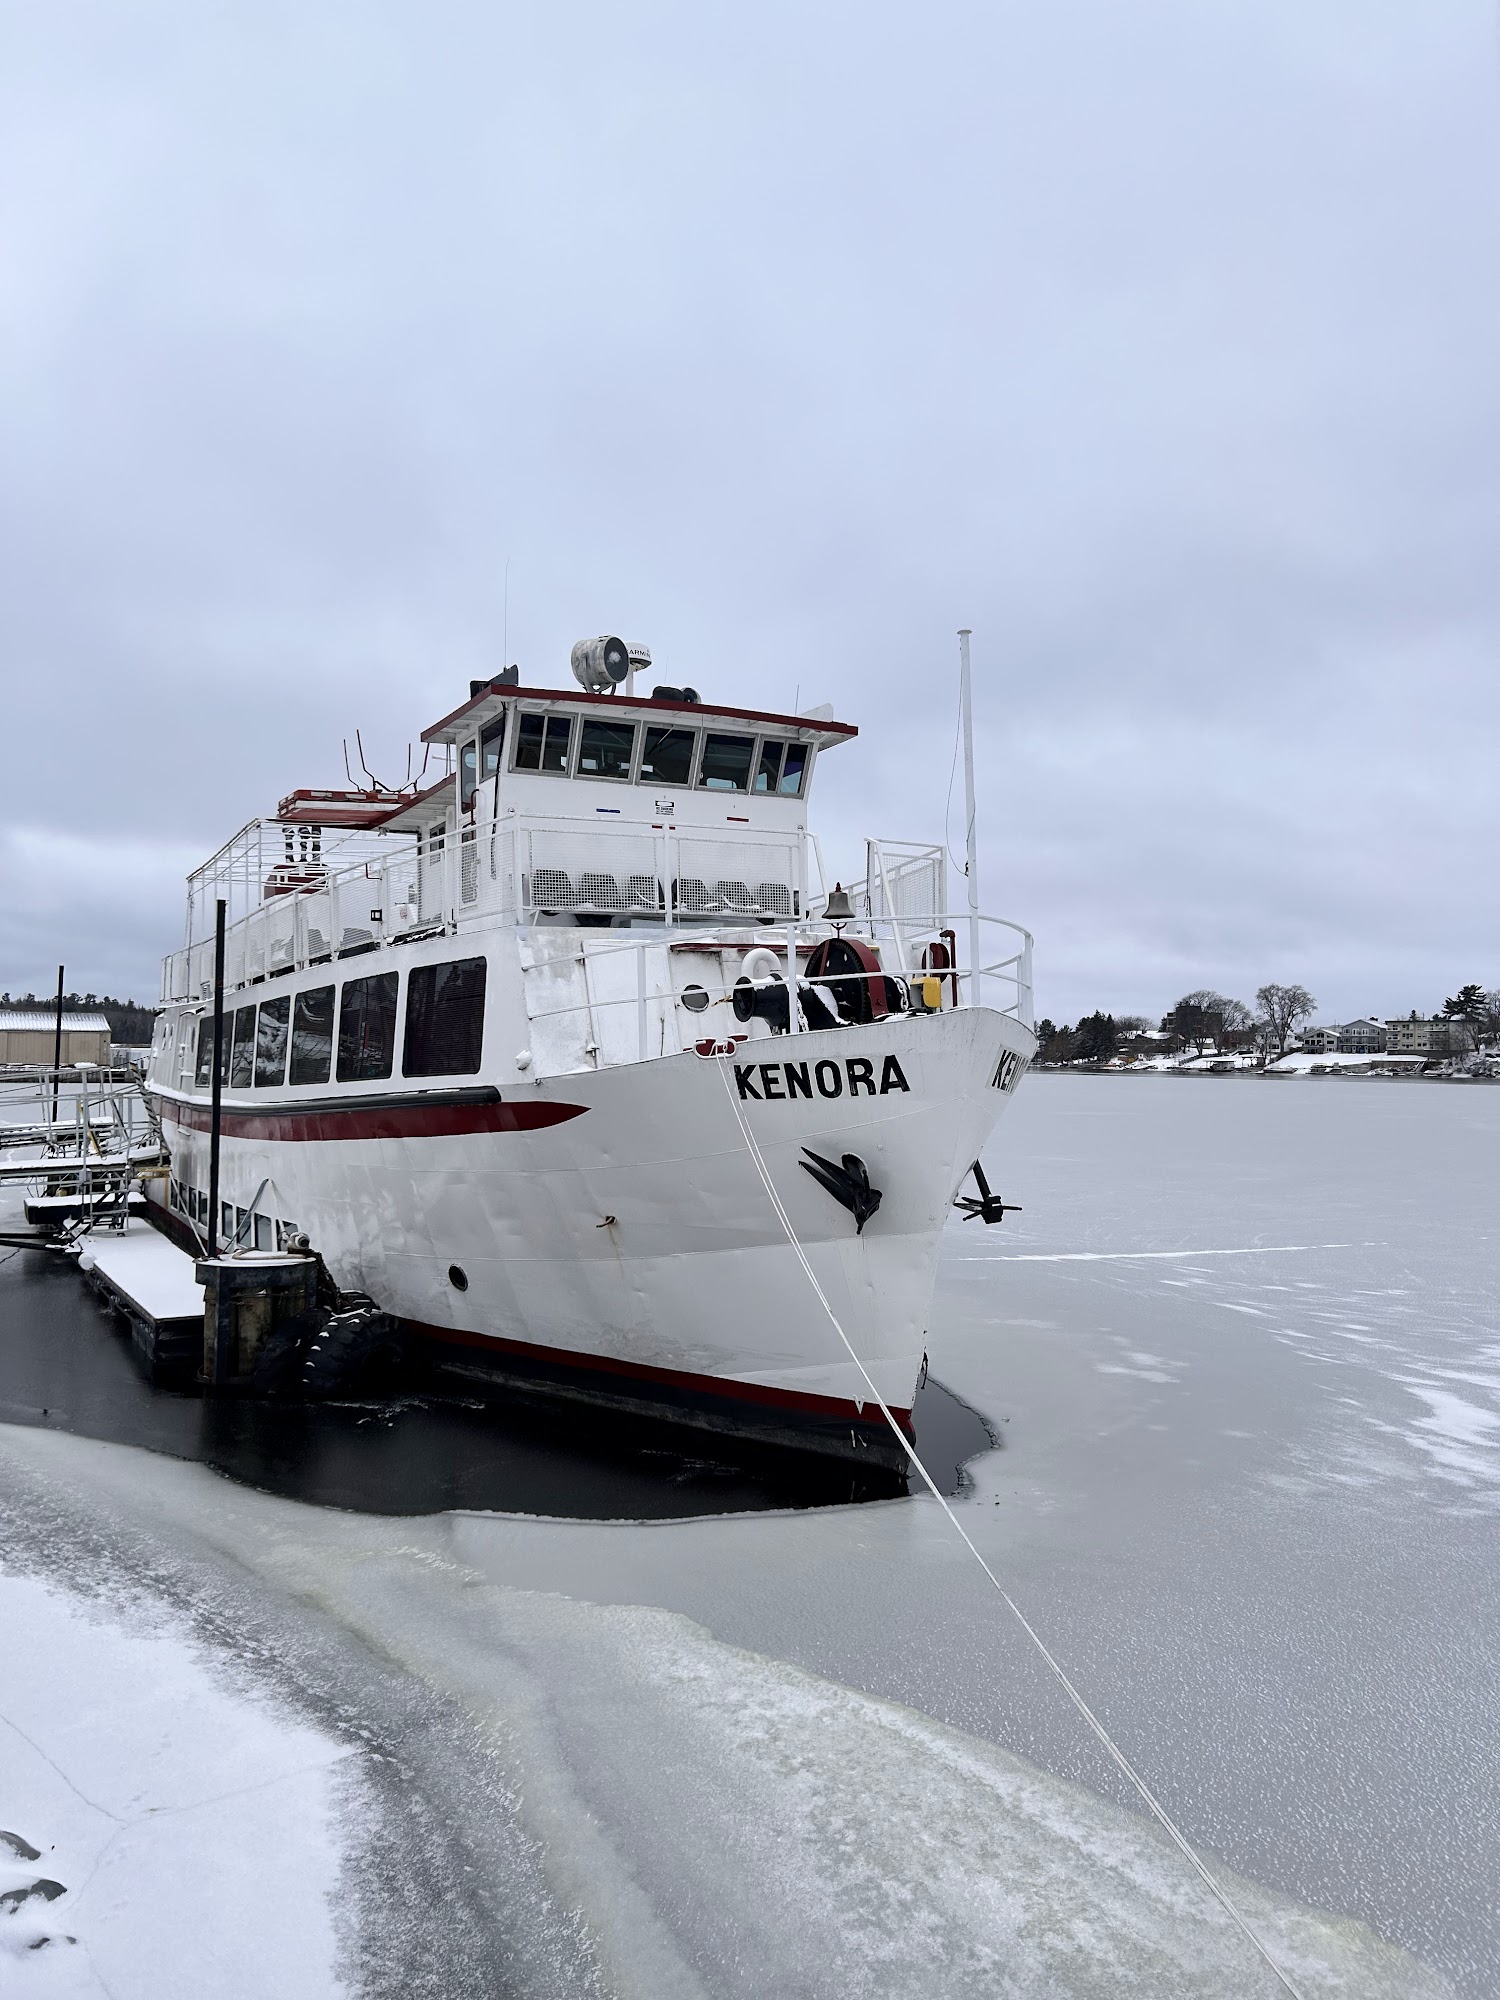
<point x="1096" y="1039"/>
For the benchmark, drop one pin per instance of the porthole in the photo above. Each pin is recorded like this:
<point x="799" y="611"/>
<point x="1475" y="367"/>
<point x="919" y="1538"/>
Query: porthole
<point x="458" y="1277"/>
<point x="694" y="998"/>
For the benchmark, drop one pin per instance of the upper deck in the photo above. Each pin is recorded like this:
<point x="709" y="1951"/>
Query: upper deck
<point x="555" y="806"/>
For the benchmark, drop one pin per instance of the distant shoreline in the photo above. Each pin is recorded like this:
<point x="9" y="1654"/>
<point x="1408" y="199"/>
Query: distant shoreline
<point x="1262" y="1075"/>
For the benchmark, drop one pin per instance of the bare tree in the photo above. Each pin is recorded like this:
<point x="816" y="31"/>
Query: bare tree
<point x="1204" y="1017"/>
<point x="1280" y="1008"/>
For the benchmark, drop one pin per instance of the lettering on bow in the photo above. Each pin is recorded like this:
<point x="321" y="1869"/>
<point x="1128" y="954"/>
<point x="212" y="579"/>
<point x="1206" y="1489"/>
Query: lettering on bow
<point x="779" y="1082"/>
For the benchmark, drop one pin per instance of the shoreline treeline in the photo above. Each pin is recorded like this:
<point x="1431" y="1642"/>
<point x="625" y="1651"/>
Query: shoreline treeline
<point x="1204" y="1021"/>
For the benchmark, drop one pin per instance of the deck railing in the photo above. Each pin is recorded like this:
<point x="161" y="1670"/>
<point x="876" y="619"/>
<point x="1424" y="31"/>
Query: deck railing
<point x="531" y="870"/>
<point x="620" y="975"/>
<point x="517" y="868"/>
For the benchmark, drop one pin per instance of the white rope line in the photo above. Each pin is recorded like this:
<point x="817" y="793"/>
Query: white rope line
<point x="1158" y="1810"/>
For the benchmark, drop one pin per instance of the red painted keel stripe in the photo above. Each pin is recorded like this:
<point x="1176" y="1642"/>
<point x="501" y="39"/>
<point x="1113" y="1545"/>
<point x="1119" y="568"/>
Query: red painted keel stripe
<point x="700" y="1385"/>
<point x="387" y="1121"/>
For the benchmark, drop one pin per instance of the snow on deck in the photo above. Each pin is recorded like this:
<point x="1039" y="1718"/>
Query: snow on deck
<point x="147" y="1270"/>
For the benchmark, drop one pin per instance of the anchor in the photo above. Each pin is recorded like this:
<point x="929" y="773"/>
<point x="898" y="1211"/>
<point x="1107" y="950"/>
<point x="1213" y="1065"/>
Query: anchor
<point x="849" y="1184"/>
<point x="989" y="1207"/>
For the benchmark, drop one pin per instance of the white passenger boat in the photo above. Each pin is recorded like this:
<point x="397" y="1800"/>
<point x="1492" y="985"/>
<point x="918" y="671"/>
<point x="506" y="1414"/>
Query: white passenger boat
<point x="502" y="1048"/>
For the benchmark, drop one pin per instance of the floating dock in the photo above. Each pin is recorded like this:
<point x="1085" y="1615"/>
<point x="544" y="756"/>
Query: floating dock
<point x="153" y="1284"/>
<point x="47" y="1211"/>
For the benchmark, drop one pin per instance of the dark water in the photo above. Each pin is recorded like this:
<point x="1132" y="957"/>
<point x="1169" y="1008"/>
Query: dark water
<point x="66" y="1363"/>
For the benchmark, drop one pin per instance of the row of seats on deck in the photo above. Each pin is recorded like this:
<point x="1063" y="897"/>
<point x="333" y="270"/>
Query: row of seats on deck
<point x="553" y="889"/>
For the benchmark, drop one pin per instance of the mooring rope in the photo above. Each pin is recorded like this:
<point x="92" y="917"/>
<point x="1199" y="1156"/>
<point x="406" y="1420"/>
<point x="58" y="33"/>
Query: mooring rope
<point x="1117" y="1755"/>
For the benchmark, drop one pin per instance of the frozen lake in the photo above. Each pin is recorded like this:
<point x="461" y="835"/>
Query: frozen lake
<point x="1242" y="1350"/>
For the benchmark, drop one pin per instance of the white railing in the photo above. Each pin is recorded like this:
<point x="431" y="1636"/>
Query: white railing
<point x="365" y="904"/>
<point x="601" y="999"/>
<point x="511" y="868"/>
<point x="555" y="866"/>
<point x="270" y="859"/>
<point x="304" y="910"/>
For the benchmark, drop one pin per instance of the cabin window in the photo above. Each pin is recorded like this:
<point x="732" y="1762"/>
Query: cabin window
<point x="242" y="1049"/>
<point x="605" y="749"/>
<point x="781" y="768"/>
<point x="367" y="1028"/>
<point x="794" y="767"/>
<point x="444" y="1019"/>
<point x="270" y="1042"/>
<point x="203" y="1074"/>
<point x="726" y="763"/>
<point x="468" y="773"/>
<point x="668" y="756"/>
<point x="491" y="743"/>
<point x="312" y="1036"/>
<point x="435" y="837"/>
<point x="542" y="742"/>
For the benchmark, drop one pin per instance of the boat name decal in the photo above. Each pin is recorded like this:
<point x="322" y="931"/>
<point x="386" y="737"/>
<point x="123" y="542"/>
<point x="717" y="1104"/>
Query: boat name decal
<point x="773" y="1083"/>
<point x="1008" y="1071"/>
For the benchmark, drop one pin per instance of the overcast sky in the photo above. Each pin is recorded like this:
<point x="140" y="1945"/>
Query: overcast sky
<point x="1157" y="341"/>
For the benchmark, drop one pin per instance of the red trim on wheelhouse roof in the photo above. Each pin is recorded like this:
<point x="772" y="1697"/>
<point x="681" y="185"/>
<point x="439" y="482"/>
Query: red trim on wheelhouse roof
<point x="808" y="724"/>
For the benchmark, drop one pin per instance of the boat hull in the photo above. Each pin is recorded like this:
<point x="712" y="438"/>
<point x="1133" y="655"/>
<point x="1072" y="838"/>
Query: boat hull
<point x="607" y="1236"/>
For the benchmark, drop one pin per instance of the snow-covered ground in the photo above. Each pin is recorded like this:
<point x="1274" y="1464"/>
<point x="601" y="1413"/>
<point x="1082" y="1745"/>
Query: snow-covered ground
<point x="1242" y="1349"/>
<point x="165" y="1831"/>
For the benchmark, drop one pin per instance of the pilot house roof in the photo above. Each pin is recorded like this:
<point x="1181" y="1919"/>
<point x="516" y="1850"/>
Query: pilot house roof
<point x="490" y="701"/>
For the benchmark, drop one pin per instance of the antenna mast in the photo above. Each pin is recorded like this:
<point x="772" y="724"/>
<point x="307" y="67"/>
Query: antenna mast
<point x="971" y="845"/>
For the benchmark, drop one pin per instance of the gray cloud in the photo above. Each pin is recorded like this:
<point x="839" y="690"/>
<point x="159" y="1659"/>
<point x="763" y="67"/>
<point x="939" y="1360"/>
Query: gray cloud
<point x="1157" y="344"/>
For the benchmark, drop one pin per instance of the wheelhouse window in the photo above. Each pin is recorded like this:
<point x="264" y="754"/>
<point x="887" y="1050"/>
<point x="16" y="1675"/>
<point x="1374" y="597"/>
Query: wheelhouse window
<point x="312" y="1036"/>
<point x="242" y="1049"/>
<point x="726" y="763"/>
<point x="270" y="1042"/>
<point x="793" y="770"/>
<point x="444" y="1019"/>
<point x="543" y="742"/>
<point x="491" y="744"/>
<point x="605" y="749"/>
<point x="668" y="756"/>
<point x="367" y="1028"/>
<point x="468" y="773"/>
<point x="781" y="768"/>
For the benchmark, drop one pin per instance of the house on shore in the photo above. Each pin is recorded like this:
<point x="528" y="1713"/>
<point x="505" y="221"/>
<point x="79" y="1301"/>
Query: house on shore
<point x="1365" y="1037"/>
<point x="1318" y="1041"/>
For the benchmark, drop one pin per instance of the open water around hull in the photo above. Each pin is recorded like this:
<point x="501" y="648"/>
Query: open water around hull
<point x="66" y="1364"/>
<point x="1243" y="1349"/>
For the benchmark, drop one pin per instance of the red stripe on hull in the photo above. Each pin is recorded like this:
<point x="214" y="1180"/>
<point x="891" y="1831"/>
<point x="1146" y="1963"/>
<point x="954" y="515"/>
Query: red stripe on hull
<point x="388" y="1121"/>
<point x="715" y="1386"/>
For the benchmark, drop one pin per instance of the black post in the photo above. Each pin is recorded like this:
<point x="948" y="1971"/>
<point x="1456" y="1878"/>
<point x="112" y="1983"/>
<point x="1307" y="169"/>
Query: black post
<point x="57" y="1044"/>
<point x="218" y="1085"/>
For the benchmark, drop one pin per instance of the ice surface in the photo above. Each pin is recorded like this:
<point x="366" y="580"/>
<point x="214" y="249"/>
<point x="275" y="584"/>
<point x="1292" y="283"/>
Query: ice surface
<point x="187" y="1825"/>
<point x="1242" y="1349"/>
<point x="721" y="1822"/>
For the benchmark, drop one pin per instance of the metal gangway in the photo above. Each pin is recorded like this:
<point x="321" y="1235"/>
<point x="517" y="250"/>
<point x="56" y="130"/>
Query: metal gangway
<point x="75" y="1143"/>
